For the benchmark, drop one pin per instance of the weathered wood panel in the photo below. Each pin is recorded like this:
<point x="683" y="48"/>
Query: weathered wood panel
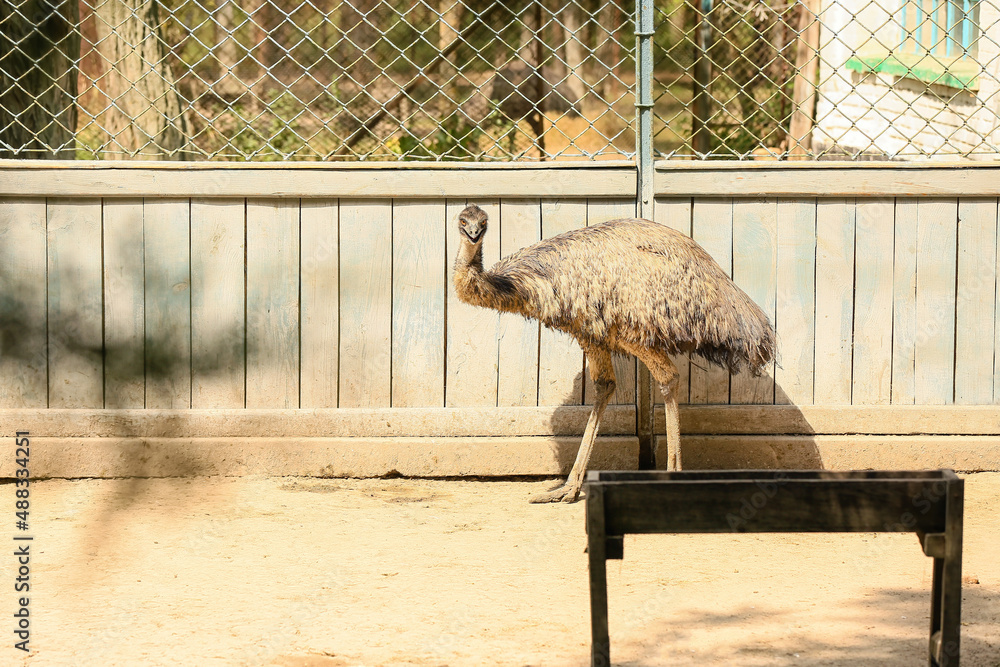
<point x="712" y="228"/>
<point x="124" y="304"/>
<point x="975" y="310"/>
<point x="755" y="246"/>
<point x="795" y="306"/>
<point x="167" y="231"/>
<point x="365" y="303"/>
<point x="834" y="300"/>
<point x="560" y="359"/>
<point x="825" y="179"/>
<point x="272" y="329"/>
<point x="218" y="337"/>
<point x="320" y="303"/>
<point x="872" y="372"/>
<point x="75" y="304"/>
<point x="904" y="314"/>
<point x="520" y="226"/>
<point x="934" y="344"/>
<point x="893" y="303"/>
<point x="676" y="214"/>
<point x="418" y="298"/>
<point x="598" y="211"/>
<point x="472" y="351"/>
<point x="322" y="180"/>
<point x="23" y="358"/>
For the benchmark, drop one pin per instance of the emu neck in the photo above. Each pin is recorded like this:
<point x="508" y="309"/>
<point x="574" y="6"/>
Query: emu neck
<point x="472" y="284"/>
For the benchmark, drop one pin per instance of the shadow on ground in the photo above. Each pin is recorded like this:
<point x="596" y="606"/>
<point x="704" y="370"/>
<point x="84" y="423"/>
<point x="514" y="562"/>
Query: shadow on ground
<point x="894" y="625"/>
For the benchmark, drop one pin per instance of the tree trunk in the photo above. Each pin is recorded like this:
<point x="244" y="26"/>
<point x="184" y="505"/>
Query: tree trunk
<point x="144" y="119"/>
<point x="701" y="75"/>
<point x="804" y="88"/>
<point x="450" y="22"/>
<point x="227" y="86"/>
<point x="609" y="50"/>
<point x="574" y="50"/>
<point x="39" y="54"/>
<point x="449" y="28"/>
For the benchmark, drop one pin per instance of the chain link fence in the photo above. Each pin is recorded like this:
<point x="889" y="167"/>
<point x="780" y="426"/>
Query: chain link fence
<point x="522" y="79"/>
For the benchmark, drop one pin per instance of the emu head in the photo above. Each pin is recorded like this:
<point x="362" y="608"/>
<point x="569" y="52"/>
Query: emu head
<point x="472" y="223"/>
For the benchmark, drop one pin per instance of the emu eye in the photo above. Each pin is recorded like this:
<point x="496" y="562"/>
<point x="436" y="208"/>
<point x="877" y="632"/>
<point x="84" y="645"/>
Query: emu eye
<point x="462" y="222"/>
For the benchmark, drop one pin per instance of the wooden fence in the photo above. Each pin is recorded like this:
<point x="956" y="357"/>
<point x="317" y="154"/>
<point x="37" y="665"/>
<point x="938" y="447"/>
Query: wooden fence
<point x="299" y="319"/>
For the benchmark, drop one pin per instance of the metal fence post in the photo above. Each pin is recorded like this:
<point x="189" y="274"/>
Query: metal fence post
<point x="644" y="199"/>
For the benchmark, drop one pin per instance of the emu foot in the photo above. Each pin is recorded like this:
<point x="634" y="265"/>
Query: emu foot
<point x="562" y="494"/>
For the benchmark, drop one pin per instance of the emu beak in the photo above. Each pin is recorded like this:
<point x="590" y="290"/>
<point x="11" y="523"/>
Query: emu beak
<point x="473" y="232"/>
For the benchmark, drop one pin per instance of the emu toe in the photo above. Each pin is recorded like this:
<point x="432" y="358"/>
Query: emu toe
<point x="562" y="494"/>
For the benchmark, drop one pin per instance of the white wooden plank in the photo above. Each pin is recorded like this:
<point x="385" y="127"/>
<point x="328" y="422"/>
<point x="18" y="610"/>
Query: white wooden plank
<point x="75" y="304"/>
<point x="365" y="303"/>
<point x="712" y="228"/>
<point x="560" y="359"/>
<point x="674" y="178"/>
<point x="755" y="229"/>
<point x="167" y="265"/>
<point x="418" y="303"/>
<point x="521" y="225"/>
<point x="834" y="300"/>
<point x="795" y="314"/>
<point x="872" y="375"/>
<point x="676" y="214"/>
<point x="819" y="179"/>
<point x="598" y="211"/>
<point x="272" y="316"/>
<point x="975" y="309"/>
<point x="934" y="349"/>
<point x="904" y="289"/>
<point x="561" y="420"/>
<point x="218" y="337"/>
<point x="124" y="304"/>
<point x="317" y="179"/>
<point x="951" y="420"/>
<point x="320" y="303"/>
<point x="23" y="356"/>
<point x="472" y="349"/>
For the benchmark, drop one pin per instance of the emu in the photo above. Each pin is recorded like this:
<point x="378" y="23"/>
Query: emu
<point x="624" y="287"/>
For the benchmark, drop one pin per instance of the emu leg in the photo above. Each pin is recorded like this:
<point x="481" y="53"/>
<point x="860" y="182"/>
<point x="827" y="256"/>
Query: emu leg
<point x="665" y="372"/>
<point x="603" y="374"/>
<point x="673" y="461"/>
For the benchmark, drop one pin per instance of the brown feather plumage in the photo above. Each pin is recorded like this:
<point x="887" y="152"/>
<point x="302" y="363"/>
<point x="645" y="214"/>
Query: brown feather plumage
<point x="621" y="285"/>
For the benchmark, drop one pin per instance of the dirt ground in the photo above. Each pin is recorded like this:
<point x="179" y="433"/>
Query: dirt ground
<point x="299" y="572"/>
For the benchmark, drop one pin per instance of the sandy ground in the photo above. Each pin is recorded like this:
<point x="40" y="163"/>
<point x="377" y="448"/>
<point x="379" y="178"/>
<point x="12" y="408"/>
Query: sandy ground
<point x="295" y="572"/>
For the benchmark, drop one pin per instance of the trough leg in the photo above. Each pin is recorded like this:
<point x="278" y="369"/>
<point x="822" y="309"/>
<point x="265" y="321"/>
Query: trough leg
<point x="947" y="647"/>
<point x="600" y="647"/>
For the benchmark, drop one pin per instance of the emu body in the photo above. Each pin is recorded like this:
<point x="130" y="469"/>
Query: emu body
<point x="630" y="287"/>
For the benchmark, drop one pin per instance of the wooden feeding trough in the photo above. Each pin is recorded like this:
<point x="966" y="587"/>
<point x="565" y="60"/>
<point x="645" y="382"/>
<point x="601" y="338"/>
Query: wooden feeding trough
<point x="926" y="502"/>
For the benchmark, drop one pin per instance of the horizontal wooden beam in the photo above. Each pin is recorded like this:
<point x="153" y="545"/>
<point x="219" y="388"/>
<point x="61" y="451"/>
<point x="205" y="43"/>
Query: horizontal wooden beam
<point x="507" y="422"/>
<point x="317" y="457"/>
<point x="567" y="420"/>
<point x="43" y="178"/>
<point x="837" y="419"/>
<point x="963" y="453"/>
<point x="826" y="179"/>
<point x="501" y="456"/>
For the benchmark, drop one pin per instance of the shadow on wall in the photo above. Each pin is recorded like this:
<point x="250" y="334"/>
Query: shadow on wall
<point x="753" y="436"/>
<point x="713" y="436"/>
<point x="150" y="367"/>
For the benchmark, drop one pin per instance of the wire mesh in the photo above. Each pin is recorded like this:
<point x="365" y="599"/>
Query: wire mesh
<point x="854" y="79"/>
<point x="521" y="79"/>
<point x="321" y="79"/>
